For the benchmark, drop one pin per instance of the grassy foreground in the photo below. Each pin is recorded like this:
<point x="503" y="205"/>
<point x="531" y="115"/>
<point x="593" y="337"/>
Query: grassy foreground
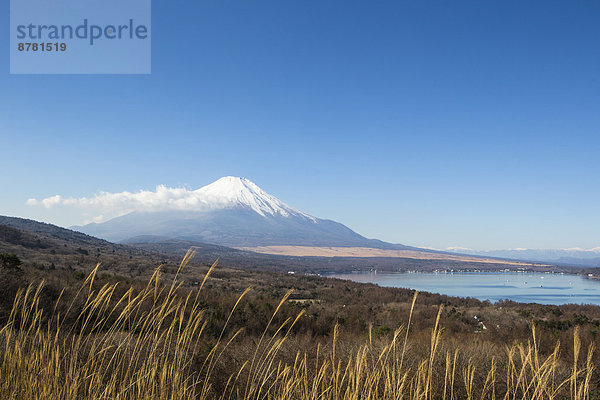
<point x="153" y="344"/>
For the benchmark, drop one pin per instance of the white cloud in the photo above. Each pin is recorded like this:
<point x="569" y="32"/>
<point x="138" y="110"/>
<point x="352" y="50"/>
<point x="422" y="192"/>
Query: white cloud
<point x="48" y="202"/>
<point x="161" y="199"/>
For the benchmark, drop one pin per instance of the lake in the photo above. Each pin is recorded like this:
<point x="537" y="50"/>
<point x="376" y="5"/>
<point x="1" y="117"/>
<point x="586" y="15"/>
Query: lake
<point x="493" y="286"/>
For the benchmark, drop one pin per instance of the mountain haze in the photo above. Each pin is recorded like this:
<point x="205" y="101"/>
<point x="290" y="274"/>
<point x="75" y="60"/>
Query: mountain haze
<point x="583" y="257"/>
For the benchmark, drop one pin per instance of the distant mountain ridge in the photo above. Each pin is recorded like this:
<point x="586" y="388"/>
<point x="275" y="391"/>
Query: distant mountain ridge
<point x="48" y="246"/>
<point x="583" y="257"/>
<point x="234" y="212"/>
<point x="23" y="231"/>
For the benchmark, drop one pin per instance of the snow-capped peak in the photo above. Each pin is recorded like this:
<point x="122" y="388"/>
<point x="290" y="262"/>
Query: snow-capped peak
<point x="231" y="192"/>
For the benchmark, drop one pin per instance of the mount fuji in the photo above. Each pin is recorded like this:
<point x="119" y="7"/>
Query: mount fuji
<point x="232" y="212"/>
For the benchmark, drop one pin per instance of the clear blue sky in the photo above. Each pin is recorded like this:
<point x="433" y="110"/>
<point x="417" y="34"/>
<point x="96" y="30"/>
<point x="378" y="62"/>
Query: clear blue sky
<point x="429" y="123"/>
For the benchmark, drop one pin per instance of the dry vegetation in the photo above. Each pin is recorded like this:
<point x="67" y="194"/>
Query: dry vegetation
<point x="155" y="341"/>
<point x="362" y="252"/>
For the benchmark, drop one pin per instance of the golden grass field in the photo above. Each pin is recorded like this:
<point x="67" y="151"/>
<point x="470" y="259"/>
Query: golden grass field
<point x="151" y="344"/>
<point x="308" y="251"/>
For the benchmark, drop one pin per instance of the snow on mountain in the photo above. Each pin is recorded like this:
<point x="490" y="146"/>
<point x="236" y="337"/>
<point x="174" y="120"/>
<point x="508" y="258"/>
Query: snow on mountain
<point x="232" y="192"/>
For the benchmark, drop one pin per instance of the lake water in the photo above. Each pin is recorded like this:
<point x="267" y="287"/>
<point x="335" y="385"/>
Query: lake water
<point x="493" y="286"/>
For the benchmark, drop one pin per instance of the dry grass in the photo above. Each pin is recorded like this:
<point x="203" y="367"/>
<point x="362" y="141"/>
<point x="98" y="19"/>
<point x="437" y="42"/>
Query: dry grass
<point x="149" y="345"/>
<point x="312" y="251"/>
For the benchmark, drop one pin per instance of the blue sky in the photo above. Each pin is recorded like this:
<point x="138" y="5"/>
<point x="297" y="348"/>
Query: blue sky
<point x="429" y="123"/>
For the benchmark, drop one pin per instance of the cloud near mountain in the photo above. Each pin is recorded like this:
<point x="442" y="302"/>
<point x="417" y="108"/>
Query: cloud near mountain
<point x="162" y="199"/>
<point x="231" y="211"/>
<point x="227" y="192"/>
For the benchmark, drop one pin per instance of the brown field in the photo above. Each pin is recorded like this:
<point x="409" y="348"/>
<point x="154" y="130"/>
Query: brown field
<point x="307" y="251"/>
